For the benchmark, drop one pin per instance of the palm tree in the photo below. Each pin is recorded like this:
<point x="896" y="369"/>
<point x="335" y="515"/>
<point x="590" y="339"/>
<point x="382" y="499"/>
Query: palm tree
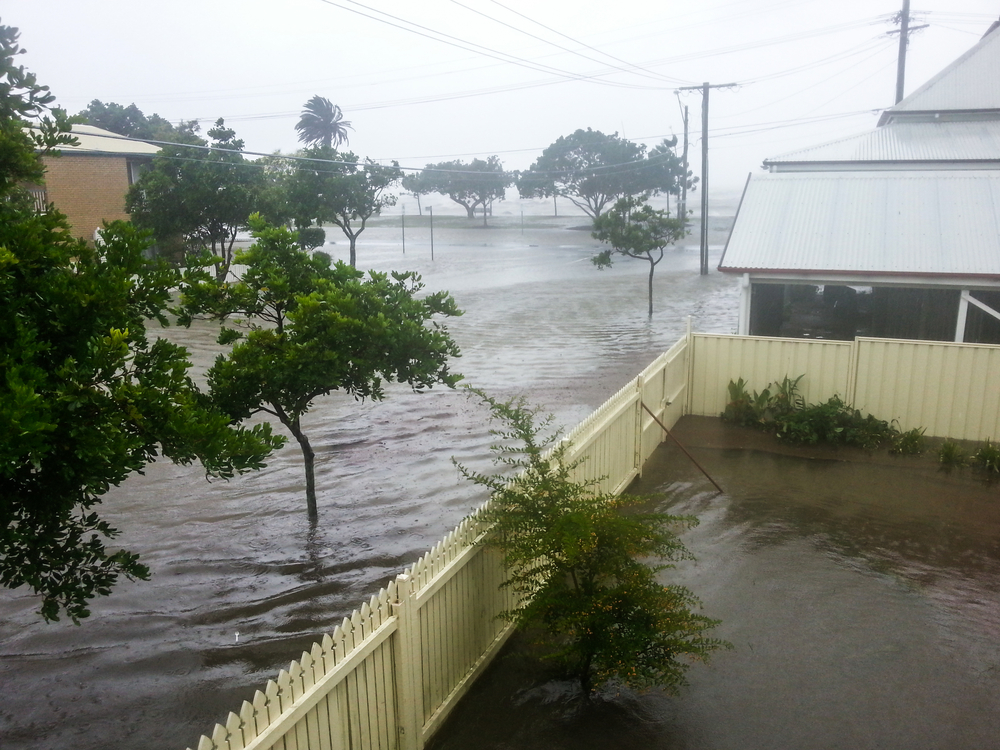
<point x="322" y="123"/>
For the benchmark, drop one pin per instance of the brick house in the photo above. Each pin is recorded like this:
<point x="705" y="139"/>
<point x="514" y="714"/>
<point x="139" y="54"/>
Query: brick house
<point x="88" y="182"/>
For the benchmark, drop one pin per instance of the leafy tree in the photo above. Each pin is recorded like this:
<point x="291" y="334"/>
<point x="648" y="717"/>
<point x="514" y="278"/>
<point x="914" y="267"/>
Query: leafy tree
<point x="85" y="398"/>
<point x="471" y="185"/>
<point x="311" y="328"/>
<point x="635" y="229"/>
<point x="130" y="121"/>
<point x="592" y="170"/>
<point x="575" y="560"/>
<point x="340" y="190"/>
<point x="322" y="124"/>
<point x="204" y="196"/>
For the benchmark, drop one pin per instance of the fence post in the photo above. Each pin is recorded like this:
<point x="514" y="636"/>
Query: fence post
<point x="637" y="456"/>
<point x="407" y="664"/>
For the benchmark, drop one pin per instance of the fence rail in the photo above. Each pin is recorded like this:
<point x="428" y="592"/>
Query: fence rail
<point x="386" y="678"/>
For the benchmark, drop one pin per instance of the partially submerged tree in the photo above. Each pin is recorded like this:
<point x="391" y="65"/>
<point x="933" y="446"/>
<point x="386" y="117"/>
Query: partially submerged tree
<point x="636" y="230"/>
<point x="478" y="183"/>
<point x="322" y="124"/>
<point x="576" y="560"/>
<point x="86" y="399"/>
<point x="593" y="170"/>
<point x="339" y="189"/>
<point x="204" y="196"/>
<point x="309" y="328"/>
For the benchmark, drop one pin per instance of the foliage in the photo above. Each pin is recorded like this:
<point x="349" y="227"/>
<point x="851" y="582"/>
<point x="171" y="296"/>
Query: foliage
<point x="987" y="457"/>
<point x="909" y="443"/>
<point x="471" y="185"/>
<point x="593" y="170"/>
<point x="309" y="328"/>
<point x="311" y="238"/>
<point x="341" y="190"/>
<point x="86" y="399"/>
<point x="322" y="124"/>
<point x="636" y="230"/>
<point x="130" y="121"/>
<point x="205" y="196"/>
<point x="951" y="455"/>
<point x="784" y="412"/>
<point x="24" y="103"/>
<point x="576" y="561"/>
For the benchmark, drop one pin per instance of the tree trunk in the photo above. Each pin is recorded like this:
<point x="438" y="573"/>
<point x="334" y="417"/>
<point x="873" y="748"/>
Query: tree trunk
<point x="354" y="252"/>
<point x="308" y="459"/>
<point x="652" y="267"/>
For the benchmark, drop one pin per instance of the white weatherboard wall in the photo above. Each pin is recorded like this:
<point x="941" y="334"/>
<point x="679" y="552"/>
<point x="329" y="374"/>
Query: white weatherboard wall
<point x="387" y="677"/>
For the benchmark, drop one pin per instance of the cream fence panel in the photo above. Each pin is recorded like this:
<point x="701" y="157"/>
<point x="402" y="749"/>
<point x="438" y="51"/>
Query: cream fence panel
<point x="386" y="678"/>
<point x="952" y="390"/>
<point x="718" y="359"/>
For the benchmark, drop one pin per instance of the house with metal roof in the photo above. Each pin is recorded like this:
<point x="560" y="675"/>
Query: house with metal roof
<point x="893" y="233"/>
<point x="88" y="182"/>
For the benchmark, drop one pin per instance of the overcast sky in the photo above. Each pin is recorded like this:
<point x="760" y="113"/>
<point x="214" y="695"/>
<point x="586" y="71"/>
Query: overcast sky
<point x="457" y="79"/>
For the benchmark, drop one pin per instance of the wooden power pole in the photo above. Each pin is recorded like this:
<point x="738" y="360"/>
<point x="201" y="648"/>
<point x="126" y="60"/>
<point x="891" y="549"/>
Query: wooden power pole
<point x="705" y="87"/>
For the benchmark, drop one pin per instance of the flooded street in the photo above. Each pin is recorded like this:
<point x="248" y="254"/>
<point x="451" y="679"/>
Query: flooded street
<point x="862" y="597"/>
<point x="159" y="662"/>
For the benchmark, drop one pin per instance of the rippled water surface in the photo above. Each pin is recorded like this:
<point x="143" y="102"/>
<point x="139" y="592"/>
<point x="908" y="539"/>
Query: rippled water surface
<point x="159" y="662"/>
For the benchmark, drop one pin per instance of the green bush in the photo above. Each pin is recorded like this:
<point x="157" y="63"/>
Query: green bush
<point x="951" y="455"/>
<point x="780" y="409"/>
<point x="987" y="457"/>
<point x="577" y="563"/>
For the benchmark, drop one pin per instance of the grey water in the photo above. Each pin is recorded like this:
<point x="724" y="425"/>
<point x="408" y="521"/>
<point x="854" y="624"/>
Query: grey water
<point x="159" y="662"/>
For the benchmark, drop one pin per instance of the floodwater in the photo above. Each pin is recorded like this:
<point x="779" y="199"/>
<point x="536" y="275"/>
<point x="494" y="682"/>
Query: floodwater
<point x="862" y="595"/>
<point x="241" y="583"/>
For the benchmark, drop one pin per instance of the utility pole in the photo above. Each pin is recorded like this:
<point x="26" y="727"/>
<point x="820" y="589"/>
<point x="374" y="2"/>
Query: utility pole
<point x="682" y="207"/>
<point x="705" y="88"/>
<point x="904" y="39"/>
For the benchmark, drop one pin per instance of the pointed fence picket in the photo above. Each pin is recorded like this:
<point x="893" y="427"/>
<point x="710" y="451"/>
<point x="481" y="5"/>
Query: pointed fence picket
<point x="387" y="676"/>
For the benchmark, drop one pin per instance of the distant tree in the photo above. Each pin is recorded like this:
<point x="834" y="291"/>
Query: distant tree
<point x="478" y="183"/>
<point x="636" y="230"/>
<point x="130" y="121"/>
<point x="576" y="560"/>
<point x="86" y="399"/>
<point x="593" y="170"/>
<point x="316" y="328"/>
<point x="322" y="124"/>
<point x="341" y="190"/>
<point x="205" y="196"/>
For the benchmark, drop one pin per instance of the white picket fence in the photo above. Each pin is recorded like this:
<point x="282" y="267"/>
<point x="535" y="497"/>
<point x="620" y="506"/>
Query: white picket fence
<point x="387" y="677"/>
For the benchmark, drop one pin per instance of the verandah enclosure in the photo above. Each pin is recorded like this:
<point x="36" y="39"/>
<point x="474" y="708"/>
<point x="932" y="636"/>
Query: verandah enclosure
<point x="388" y="676"/>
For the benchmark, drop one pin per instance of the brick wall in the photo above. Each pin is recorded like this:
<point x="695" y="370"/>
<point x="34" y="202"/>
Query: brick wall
<point x="88" y="189"/>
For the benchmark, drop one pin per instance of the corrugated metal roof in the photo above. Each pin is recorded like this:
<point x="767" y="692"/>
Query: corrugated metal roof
<point x="909" y="141"/>
<point x="94" y="140"/>
<point x="940" y="223"/>
<point x="971" y="82"/>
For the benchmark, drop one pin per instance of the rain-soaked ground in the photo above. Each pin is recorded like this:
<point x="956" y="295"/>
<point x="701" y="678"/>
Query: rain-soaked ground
<point x="861" y="593"/>
<point x="862" y="605"/>
<point x="159" y="662"/>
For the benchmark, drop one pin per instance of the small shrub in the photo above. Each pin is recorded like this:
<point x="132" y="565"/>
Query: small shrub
<point x="909" y="443"/>
<point x="951" y="455"/>
<point x="583" y="564"/>
<point x="987" y="457"/>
